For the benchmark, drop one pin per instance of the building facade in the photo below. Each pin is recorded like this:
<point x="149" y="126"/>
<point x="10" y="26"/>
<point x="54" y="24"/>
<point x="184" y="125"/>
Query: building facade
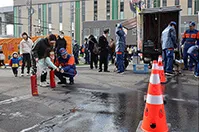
<point x="50" y="16"/>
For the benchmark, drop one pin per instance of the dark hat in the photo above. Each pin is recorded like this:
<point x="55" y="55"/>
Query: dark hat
<point x="24" y="33"/>
<point x="106" y="31"/>
<point x="61" y="32"/>
<point x="192" y="23"/>
<point x="52" y="37"/>
<point x="119" y="25"/>
<point x="63" y="51"/>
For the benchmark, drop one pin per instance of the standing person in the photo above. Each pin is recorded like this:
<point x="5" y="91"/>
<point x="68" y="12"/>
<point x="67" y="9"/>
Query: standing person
<point x="25" y="51"/>
<point x="39" y="50"/>
<point x="189" y="39"/>
<point x="112" y="50"/>
<point x="104" y="50"/>
<point x="61" y="43"/>
<point x="193" y="52"/>
<point x="2" y="58"/>
<point x="168" y="45"/>
<point x="93" y="51"/>
<point x="86" y="51"/>
<point x="76" y="52"/>
<point x="120" y="48"/>
<point x="68" y="68"/>
<point x="14" y="63"/>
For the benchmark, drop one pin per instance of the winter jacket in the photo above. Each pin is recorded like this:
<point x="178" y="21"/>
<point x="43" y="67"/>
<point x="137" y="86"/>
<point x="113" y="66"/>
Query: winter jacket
<point x="103" y="44"/>
<point x="76" y="49"/>
<point x="120" y="40"/>
<point x="25" y="46"/>
<point x="190" y="37"/>
<point x="194" y="50"/>
<point x="67" y="64"/>
<point x="2" y="56"/>
<point x="169" y="38"/>
<point x="40" y="47"/>
<point x="14" y="62"/>
<point x="91" y="44"/>
<point x="61" y="43"/>
<point x="46" y="62"/>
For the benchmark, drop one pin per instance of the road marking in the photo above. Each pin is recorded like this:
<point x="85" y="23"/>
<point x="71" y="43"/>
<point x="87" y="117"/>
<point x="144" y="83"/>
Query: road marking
<point x="15" y="99"/>
<point x="30" y="128"/>
<point x="184" y="100"/>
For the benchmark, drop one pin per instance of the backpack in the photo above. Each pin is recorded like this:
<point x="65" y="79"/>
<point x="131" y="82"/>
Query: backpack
<point x="95" y="49"/>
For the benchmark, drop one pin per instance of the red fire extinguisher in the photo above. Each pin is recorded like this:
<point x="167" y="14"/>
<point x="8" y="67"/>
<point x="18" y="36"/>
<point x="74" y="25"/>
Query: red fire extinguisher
<point x="34" y="90"/>
<point x="52" y="79"/>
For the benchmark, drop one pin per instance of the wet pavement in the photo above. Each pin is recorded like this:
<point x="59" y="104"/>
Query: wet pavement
<point x="98" y="102"/>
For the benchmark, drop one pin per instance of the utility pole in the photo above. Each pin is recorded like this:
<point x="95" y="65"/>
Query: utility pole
<point x="30" y="13"/>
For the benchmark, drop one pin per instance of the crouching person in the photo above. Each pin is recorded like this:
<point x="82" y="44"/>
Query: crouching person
<point x="68" y="68"/>
<point x="193" y="52"/>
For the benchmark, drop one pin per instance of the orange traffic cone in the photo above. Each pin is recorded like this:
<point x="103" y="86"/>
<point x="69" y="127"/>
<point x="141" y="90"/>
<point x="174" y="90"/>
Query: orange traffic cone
<point x="154" y="118"/>
<point x="161" y="70"/>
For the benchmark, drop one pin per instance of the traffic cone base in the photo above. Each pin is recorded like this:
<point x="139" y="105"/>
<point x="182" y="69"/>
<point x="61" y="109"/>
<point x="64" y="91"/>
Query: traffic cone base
<point x="139" y="129"/>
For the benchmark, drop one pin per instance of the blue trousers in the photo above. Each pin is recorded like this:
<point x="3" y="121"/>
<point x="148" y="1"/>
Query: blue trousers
<point x="120" y="62"/>
<point x="196" y="61"/>
<point x="185" y="56"/>
<point x="168" y="59"/>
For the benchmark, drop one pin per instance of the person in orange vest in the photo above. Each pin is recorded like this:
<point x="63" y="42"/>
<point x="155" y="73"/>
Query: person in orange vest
<point x="68" y="68"/>
<point x="190" y="38"/>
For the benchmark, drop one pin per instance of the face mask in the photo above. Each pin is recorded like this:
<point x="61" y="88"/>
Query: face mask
<point x="61" y="36"/>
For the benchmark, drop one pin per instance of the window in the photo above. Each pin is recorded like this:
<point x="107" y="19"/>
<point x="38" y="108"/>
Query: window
<point x="108" y="10"/>
<point x="83" y="11"/>
<point x="39" y="12"/>
<point x="49" y="13"/>
<point x="177" y="2"/>
<point x="60" y="12"/>
<point x="164" y="2"/>
<point x="122" y="9"/>
<point x="189" y="3"/>
<point x="19" y="15"/>
<point x="148" y="3"/>
<point x="95" y="10"/>
<point x="196" y="7"/>
<point x="189" y="7"/>
<point x="72" y="12"/>
<point x="156" y="3"/>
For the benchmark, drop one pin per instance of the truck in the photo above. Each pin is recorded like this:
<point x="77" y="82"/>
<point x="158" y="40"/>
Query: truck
<point x="150" y="24"/>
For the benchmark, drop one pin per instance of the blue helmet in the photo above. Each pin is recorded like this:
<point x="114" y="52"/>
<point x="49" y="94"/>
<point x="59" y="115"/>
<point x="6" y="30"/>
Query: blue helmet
<point x="63" y="51"/>
<point x="173" y="23"/>
<point x="192" y="23"/>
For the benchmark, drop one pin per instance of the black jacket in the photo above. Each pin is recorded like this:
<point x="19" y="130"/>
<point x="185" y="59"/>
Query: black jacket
<point x="103" y="44"/>
<point x="40" y="47"/>
<point x="91" y="44"/>
<point x="61" y="43"/>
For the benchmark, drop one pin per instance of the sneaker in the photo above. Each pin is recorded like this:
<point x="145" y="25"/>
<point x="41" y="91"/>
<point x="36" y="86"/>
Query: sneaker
<point x="15" y="75"/>
<point x="196" y="76"/>
<point x="43" y="84"/>
<point x="22" y="74"/>
<point x="28" y="74"/>
<point x="106" y="71"/>
<point x="71" y="83"/>
<point x="100" y="71"/>
<point x="47" y="83"/>
<point x="169" y="73"/>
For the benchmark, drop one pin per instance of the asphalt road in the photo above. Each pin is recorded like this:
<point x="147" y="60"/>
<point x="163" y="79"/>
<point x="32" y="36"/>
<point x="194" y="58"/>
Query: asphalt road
<point x="98" y="102"/>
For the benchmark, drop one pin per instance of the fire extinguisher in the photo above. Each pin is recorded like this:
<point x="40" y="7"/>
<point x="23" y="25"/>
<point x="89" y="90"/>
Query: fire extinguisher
<point x="52" y="79"/>
<point x="33" y="79"/>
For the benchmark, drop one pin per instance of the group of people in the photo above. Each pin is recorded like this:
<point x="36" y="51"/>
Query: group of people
<point x="49" y="52"/>
<point x="189" y="44"/>
<point x="103" y="50"/>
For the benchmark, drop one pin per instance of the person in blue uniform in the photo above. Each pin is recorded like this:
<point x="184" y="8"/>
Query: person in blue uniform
<point x="68" y="68"/>
<point x="190" y="38"/>
<point x="193" y="52"/>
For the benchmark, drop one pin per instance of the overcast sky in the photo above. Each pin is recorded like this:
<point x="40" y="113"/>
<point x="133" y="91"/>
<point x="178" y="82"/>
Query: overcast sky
<point x="6" y="3"/>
